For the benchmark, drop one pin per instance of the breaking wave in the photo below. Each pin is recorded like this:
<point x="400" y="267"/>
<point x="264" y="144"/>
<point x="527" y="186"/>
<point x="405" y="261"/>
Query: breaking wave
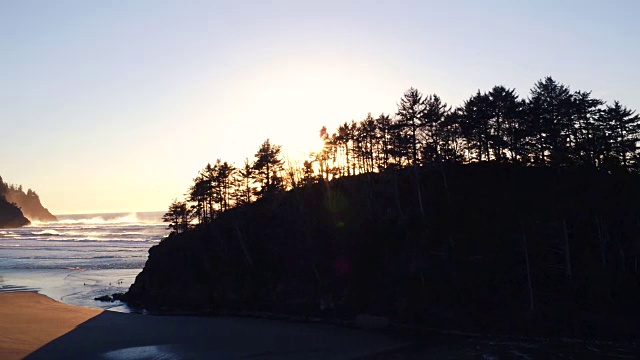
<point x="83" y="241"/>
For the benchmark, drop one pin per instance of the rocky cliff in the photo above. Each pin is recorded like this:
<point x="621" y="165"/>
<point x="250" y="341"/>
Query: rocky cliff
<point x="30" y="205"/>
<point x="28" y="202"/>
<point x="482" y="247"/>
<point x="10" y="215"/>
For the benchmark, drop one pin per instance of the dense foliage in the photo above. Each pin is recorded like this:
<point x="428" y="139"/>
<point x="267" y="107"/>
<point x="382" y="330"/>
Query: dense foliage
<point x="552" y="127"/>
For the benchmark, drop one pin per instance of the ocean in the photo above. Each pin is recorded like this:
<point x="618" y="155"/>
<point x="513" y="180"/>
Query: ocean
<point x="79" y="257"/>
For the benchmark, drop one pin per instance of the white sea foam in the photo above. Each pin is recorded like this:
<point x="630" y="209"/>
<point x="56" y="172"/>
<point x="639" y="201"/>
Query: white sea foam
<point x="46" y="232"/>
<point x="56" y="245"/>
<point x="102" y="219"/>
<point x="79" y="257"/>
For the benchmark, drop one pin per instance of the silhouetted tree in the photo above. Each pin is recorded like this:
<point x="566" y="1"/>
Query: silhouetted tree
<point x="553" y="127"/>
<point x="179" y="216"/>
<point x="622" y="127"/>
<point x="550" y="109"/>
<point x="590" y="139"/>
<point x="245" y="189"/>
<point x="434" y="113"/>
<point x="224" y="181"/>
<point x="505" y="111"/>
<point x="450" y="136"/>
<point x="384" y="126"/>
<point x="267" y="168"/>
<point x="198" y="193"/>
<point x="475" y="117"/>
<point x="410" y="118"/>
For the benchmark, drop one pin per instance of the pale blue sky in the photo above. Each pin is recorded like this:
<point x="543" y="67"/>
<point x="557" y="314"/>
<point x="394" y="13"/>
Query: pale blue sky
<point x="115" y="105"/>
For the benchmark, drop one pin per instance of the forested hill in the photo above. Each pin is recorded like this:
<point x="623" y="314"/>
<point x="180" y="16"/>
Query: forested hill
<point x="10" y="215"/>
<point x="503" y="213"/>
<point x="494" y="248"/>
<point x="28" y="202"/>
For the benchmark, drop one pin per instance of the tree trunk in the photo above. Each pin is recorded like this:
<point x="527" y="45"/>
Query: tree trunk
<point x="529" y="283"/>
<point x="396" y="193"/>
<point x="244" y="247"/>
<point x="567" y="251"/>
<point x="415" y="173"/>
<point x="603" y="239"/>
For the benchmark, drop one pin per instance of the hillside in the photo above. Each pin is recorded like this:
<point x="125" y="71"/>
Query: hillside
<point x="487" y="247"/>
<point x="10" y="215"/>
<point x="28" y="202"/>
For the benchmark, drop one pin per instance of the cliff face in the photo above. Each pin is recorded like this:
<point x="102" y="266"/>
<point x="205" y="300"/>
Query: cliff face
<point x="10" y="215"/>
<point x="488" y="247"/>
<point x="29" y="203"/>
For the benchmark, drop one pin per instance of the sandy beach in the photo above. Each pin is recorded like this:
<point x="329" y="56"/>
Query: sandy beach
<point x="29" y="321"/>
<point x="34" y="326"/>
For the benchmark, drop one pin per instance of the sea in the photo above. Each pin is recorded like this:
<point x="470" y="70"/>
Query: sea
<point x="79" y="257"/>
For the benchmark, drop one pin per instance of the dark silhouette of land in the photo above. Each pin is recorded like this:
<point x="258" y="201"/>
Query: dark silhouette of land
<point x="503" y="215"/>
<point x="17" y="207"/>
<point x="10" y="215"/>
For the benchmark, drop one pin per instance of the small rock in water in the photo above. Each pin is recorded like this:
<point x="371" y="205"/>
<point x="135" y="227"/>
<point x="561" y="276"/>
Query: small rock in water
<point x="104" y="298"/>
<point x="118" y="296"/>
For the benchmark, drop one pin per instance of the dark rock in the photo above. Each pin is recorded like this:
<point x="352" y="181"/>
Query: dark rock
<point x="11" y="216"/>
<point x="105" y="298"/>
<point x="119" y="296"/>
<point x="30" y="205"/>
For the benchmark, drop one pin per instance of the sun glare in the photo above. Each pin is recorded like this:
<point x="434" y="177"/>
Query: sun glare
<point x="295" y="98"/>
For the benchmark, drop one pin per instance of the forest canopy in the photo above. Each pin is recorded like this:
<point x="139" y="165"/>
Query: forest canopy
<point x="552" y="127"/>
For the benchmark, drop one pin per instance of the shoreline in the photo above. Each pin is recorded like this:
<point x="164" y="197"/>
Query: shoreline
<point x="72" y="286"/>
<point x="37" y="327"/>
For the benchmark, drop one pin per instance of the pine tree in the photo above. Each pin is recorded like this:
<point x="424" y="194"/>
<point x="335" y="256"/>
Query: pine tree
<point x="179" y="217"/>
<point x="410" y="119"/>
<point x="267" y="168"/>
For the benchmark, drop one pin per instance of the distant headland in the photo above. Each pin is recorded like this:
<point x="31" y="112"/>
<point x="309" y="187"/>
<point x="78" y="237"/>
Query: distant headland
<point x="18" y="208"/>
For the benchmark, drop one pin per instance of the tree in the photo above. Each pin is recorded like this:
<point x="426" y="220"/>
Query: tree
<point x="505" y="134"/>
<point x="410" y="118"/>
<point x="451" y="142"/>
<point x="208" y="175"/>
<point x="179" y="217"/>
<point x="550" y="119"/>
<point x="245" y="190"/>
<point x="475" y="119"/>
<point x="590" y="138"/>
<point x="223" y="180"/>
<point x="622" y="128"/>
<point x="308" y="174"/>
<point x="198" y="193"/>
<point x="384" y="125"/>
<point x="365" y="144"/>
<point x="343" y="138"/>
<point x="435" y="111"/>
<point x="267" y="168"/>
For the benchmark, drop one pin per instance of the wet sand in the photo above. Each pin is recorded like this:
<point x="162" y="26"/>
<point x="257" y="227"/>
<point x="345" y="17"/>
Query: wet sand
<point x="40" y="328"/>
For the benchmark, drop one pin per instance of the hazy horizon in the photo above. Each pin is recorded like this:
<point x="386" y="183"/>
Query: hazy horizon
<point x="96" y="97"/>
<point x="113" y="213"/>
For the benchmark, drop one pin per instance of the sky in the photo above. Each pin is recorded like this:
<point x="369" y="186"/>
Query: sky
<point x="114" y="106"/>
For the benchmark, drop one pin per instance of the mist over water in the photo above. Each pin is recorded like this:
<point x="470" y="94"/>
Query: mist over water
<point x="80" y="256"/>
